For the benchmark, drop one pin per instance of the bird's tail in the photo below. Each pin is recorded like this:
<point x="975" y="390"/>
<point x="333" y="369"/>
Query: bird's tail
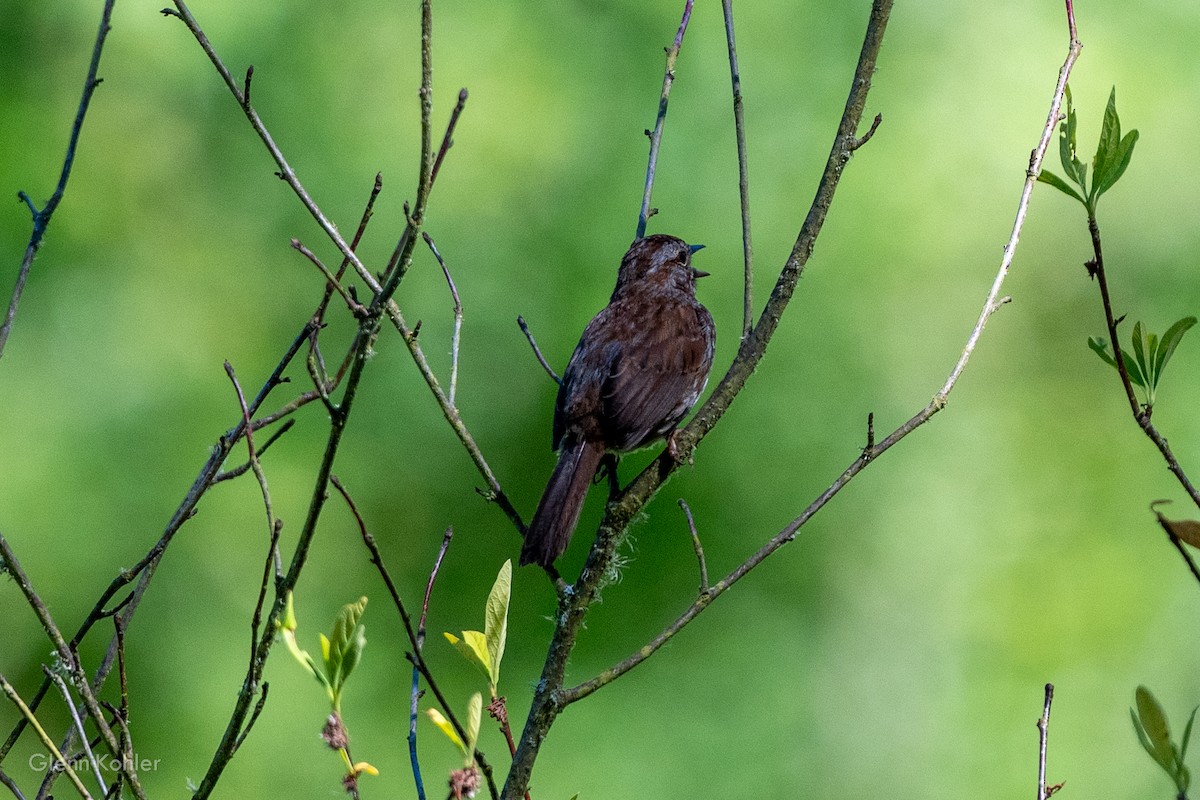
<point x="558" y="512"/>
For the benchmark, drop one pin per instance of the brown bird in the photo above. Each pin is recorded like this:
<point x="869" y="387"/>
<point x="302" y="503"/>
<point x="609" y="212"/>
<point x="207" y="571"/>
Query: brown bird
<point x="638" y="369"/>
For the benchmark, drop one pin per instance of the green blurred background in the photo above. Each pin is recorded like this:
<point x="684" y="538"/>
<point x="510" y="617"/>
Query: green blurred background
<point x="898" y="647"/>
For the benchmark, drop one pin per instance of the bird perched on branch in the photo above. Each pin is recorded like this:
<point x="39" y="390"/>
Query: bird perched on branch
<point x="638" y="369"/>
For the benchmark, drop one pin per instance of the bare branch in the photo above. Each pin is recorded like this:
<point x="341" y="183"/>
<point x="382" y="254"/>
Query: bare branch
<point x="447" y="140"/>
<point x="78" y="722"/>
<point x="458" y="316"/>
<point x="286" y="173"/>
<point x="656" y="135"/>
<point x="356" y="308"/>
<point x="739" y="126"/>
<point x="1043" y="730"/>
<point x="415" y="693"/>
<point x="41" y="218"/>
<point x="537" y="352"/>
<point x="699" y="548"/>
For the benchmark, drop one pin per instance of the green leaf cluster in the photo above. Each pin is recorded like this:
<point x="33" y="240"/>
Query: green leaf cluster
<point x="486" y="649"/>
<point x="1150" y="354"/>
<point x="1113" y="153"/>
<point x="340" y="651"/>
<point x="1150" y="722"/>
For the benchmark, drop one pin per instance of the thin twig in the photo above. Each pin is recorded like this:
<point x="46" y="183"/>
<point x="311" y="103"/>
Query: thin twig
<point x="458" y="316"/>
<point x="447" y="139"/>
<point x="415" y="693"/>
<point x="494" y="493"/>
<point x="739" y="127"/>
<point x="1169" y="526"/>
<point x="699" y="548"/>
<point x="286" y="173"/>
<point x="1043" y="725"/>
<point x="537" y="351"/>
<point x="656" y="135"/>
<point x="41" y="218"/>
<point x="75" y="718"/>
<point x="253" y="454"/>
<point x="356" y="308"/>
<point x="47" y="742"/>
<point x="368" y="212"/>
<point x="11" y="785"/>
<point x="993" y="301"/>
<point x="242" y="468"/>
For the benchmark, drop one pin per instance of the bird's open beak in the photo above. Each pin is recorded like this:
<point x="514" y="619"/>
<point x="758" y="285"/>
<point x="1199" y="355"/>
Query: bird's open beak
<point x="698" y="273"/>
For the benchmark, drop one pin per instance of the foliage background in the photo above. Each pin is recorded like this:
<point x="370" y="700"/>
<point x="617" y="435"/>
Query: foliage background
<point x="906" y="633"/>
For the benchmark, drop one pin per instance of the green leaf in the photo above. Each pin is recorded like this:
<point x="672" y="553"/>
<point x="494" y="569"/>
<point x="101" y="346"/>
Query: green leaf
<point x="496" y="620"/>
<point x="344" y="646"/>
<point x="1046" y="176"/>
<point x="445" y="727"/>
<point x="1170" y="340"/>
<point x="1187" y="734"/>
<point x="473" y="646"/>
<point x="1066" y="141"/>
<point x="1137" y="726"/>
<point x="474" y="717"/>
<point x="1140" y="353"/>
<point x="1116" y="168"/>
<point x="1110" y="137"/>
<point x="1100" y="347"/>
<point x="1113" y="152"/>
<point x="287" y="629"/>
<point x="1154" y="725"/>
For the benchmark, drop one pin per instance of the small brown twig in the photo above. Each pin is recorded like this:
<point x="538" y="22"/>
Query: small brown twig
<point x="253" y="454"/>
<point x="78" y="722"/>
<point x="356" y="308"/>
<point x="41" y="217"/>
<point x="656" y="135"/>
<point x="286" y="173"/>
<point x="241" y="469"/>
<point x="368" y="212"/>
<point x="739" y="127"/>
<point x="537" y="351"/>
<point x="699" y="548"/>
<point x="419" y="646"/>
<point x="447" y="139"/>
<point x="1043" y="726"/>
<point x="458" y="316"/>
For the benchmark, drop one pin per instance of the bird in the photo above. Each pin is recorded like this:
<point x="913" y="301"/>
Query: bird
<point x="640" y="365"/>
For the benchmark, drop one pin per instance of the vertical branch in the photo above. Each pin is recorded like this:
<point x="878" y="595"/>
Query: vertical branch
<point x="739" y="125"/>
<point x="41" y="219"/>
<point x="419" y="645"/>
<point x="1043" y="729"/>
<point x="458" y="316"/>
<point x="656" y="135"/>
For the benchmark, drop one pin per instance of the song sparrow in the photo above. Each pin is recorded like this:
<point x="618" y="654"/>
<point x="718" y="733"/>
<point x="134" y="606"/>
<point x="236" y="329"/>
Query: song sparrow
<point x="636" y="372"/>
